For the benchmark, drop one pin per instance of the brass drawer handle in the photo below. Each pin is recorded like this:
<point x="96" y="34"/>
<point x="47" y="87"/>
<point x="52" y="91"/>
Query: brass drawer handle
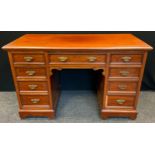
<point x="124" y="73"/>
<point x="120" y="101"/>
<point x="35" y="100"/>
<point x="32" y="87"/>
<point x="122" y="87"/>
<point x="28" y="59"/>
<point x="62" y="59"/>
<point x="30" y="73"/>
<point x="126" y="58"/>
<point x="92" y="59"/>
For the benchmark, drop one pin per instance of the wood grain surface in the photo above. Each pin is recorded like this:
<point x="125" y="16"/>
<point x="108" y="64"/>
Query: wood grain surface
<point x="78" y="41"/>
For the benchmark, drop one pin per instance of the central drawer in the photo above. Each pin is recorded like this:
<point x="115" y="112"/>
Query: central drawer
<point x="76" y="58"/>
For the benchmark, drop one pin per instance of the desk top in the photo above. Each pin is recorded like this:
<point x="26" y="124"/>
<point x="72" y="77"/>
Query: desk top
<point x="78" y="41"/>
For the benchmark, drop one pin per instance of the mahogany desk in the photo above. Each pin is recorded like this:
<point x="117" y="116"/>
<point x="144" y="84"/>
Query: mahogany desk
<point x="36" y="58"/>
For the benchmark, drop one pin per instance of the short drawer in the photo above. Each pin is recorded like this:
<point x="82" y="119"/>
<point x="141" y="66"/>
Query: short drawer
<point x="122" y="86"/>
<point x="35" y="99"/>
<point x="121" y="101"/>
<point x="124" y="72"/>
<point x="126" y="58"/>
<point x="28" y="58"/>
<point x="77" y="58"/>
<point x="30" y="72"/>
<point x="33" y="86"/>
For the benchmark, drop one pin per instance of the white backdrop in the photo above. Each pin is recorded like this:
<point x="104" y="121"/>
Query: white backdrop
<point x="77" y="15"/>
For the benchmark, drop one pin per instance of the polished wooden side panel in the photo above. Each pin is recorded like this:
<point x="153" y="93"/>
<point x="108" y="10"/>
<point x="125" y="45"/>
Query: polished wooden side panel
<point x="55" y="87"/>
<point x="15" y="80"/>
<point x="100" y="83"/>
<point x="140" y="78"/>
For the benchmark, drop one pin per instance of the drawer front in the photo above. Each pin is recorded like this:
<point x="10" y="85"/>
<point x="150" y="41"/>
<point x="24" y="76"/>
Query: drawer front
<point x="30" y="72"/>
<point x="120" y="101"/>
<point x="124" y="72"/>
<point x="33" y="86"/>
<point x="35" y="100"/>
<point x="123" y="58"/>
<point x="28" y="58"/>
<point x="122" y="86"/>
<point x="77" y="58"/>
